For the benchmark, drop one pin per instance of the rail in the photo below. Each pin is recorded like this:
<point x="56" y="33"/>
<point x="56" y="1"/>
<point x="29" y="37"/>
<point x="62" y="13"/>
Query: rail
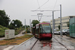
<point x="33" y="45"/>
<point x="62" y="44"/>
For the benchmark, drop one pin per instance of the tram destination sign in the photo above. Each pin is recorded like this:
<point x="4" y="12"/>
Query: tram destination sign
<point x="45" y="24"/>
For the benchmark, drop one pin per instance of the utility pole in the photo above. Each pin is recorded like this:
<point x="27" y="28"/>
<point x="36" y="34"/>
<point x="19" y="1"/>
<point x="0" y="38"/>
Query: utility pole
<point x="25" y="25"/>
<point x="61" y="21"/>
<point x="30" y="25"/>
<point x="53" y="21"/>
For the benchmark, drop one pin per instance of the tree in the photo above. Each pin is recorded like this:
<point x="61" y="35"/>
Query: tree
<point x="34" y="22"/>
<point x="4" y="19"/>
<point x="15" y="23"/>
<point x="67" y="24"/>
<point x="27" y="26"/>
<point x="11" y="26"/>
<point x="59" y="27"/>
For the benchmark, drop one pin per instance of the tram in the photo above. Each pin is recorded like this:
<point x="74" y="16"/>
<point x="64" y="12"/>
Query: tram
<point x="42" y="31"/>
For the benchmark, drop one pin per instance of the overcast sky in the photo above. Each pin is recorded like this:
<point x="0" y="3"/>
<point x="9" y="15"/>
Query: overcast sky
<point x="21" y="9"/>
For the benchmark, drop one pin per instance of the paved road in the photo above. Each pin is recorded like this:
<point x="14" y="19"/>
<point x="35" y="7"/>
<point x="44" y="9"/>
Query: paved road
<point x="20" y="34"/>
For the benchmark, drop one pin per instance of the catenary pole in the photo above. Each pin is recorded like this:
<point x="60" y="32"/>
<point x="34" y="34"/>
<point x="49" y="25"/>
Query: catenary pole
<point x="61" y="21"/>
<point x="53" y="21"/>
<point x="30" y="25"/>
<point x="25" y="24"/>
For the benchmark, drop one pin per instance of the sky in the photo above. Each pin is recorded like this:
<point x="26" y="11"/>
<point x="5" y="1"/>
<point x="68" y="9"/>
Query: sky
<point x="21" y="9"/>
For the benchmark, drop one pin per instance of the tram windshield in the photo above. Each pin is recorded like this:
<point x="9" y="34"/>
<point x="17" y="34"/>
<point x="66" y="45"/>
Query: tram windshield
<point x="45" y="28"/>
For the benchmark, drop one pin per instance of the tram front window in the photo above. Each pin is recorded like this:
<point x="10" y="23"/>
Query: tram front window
<point x="45" y="29"/>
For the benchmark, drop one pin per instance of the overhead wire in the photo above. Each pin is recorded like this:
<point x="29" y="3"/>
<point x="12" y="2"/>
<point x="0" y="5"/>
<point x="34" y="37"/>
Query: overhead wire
<point x="55" y="5"/>
<point x="38" y="4"/>
<point x="43" y="4"/>
<point x="40" y="7"/>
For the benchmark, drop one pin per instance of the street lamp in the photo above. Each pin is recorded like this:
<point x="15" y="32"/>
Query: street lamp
<point x="39" y="16"/>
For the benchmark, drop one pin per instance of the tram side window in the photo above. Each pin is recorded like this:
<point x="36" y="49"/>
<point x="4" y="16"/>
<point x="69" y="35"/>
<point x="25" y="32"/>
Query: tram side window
<point x="37" y="30"/>
<point x="40" y="29"/>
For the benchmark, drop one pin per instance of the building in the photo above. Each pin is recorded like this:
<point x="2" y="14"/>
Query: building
<point x="65" y="20"/>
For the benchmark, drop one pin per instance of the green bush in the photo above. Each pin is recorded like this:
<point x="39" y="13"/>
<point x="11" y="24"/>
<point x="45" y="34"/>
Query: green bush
<point x="2" y="31"/>
<point x="59" y="27"/>
<point x="28" y="31"/>
<point x="2" y="34"/>
<point x="18" y="30"/>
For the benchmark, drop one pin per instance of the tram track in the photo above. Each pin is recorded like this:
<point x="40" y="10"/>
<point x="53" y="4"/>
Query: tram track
<point x="33" y="44"/>
<point x="49" y="44"/>
<point x="43" y="43"/>
<point x="62" y="44"/>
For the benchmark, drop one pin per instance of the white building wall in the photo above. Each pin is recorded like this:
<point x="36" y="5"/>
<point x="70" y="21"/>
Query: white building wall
<point x="64" y="22"/>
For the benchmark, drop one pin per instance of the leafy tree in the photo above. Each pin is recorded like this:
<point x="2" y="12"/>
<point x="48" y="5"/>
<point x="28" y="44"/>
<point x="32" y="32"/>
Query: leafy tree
<point x="68" y="24"/>
<point x="59" y="27"/>
<point x="4" y="19"/>
<point x="27" y="26"/>
<point x="34" y="22"/>
<point x="11" y="27"/>
<point x="15" y="24"/>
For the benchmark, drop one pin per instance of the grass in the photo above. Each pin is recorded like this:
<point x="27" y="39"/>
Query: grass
<point x="15" y="41"/>
<point x="18" y="30"/>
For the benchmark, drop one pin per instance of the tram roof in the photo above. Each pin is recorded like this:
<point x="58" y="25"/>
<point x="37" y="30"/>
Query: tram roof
<point x="42" y="23"/>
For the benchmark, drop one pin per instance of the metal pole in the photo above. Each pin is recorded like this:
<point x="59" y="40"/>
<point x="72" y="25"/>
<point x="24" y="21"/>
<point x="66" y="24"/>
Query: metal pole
<point x="61" y="21"/>
<point x="53" y="20"/>
<point x="30" y="25"/>
<point x="25" y="24"/>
